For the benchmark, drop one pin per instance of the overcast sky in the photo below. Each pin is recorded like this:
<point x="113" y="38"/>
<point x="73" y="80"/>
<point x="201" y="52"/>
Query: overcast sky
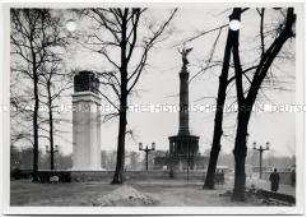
<point x="159" y="84"/>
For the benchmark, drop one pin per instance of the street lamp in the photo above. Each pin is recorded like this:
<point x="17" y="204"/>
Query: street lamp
<point x="261" y="150"/>
<point x="147" y="151"/>
<point x="234" y="25"/>
<point x="71" y="25"/>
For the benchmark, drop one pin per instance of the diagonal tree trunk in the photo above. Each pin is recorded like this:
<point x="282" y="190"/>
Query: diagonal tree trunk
<point x="218" y="131"/>
<point x="246" y="103"/>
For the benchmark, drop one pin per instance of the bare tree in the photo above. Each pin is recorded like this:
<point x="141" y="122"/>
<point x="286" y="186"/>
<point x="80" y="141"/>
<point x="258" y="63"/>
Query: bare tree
<point x="224" y="81"/>
<point x="246" y="97"/>
<point x="55" y="82"/>
<point x="32" y="34"/>
<point x="123" y="27"/>
<point x="218" y="131"/>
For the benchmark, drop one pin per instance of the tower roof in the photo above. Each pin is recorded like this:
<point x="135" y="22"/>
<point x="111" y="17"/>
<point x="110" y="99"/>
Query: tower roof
<point x="86" y="81"/>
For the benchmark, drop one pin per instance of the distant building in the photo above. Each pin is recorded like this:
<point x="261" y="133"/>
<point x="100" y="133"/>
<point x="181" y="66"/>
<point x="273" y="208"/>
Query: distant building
<point x="199" y="163"/>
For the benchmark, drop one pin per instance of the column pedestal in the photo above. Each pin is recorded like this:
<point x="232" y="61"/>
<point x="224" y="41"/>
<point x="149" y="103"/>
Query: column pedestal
<point x="86" y="131"/>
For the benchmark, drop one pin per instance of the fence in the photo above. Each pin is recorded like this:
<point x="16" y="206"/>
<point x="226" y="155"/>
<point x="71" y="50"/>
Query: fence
<point x="82" y="176"/>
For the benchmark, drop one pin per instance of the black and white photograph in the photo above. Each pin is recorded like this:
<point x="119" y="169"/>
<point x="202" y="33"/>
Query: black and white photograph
<point x="175" y="107"/>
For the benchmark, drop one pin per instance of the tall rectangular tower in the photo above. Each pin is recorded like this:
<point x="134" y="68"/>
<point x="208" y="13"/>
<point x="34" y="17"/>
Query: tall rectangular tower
<point x="86" y="122"/>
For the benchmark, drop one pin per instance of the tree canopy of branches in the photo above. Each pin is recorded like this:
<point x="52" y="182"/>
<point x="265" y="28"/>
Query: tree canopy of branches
<point x="122" y="26"/>
<point x="246" y="97"/>
<point x="34" y="33"/>
<point x="225" y="80"/>
<point x="55" y="84"/>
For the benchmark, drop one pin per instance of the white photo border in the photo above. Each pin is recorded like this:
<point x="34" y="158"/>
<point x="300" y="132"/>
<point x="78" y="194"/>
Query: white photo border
<point x="47" y="210"/>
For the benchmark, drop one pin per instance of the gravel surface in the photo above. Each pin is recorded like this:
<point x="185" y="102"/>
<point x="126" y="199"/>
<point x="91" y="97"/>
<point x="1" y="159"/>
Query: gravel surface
<point x="125" y="196"/>
<point x="150" y="193"/>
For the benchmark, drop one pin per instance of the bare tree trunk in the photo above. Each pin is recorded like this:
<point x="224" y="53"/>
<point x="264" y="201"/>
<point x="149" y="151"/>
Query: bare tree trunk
<point x="33" y="33"/>
<point x="240" y="153"/>
<point x="245" y="104"/>
<point x="119" y="173"/>
<point x="51" y="127"/>
<point x="218" y="131"/>
<point x="35" y="118"/>
<point x="123" y="24"/>
<point x="119" y="176"/>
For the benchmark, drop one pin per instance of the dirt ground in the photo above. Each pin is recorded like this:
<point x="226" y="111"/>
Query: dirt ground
<point x="166" y="193"/>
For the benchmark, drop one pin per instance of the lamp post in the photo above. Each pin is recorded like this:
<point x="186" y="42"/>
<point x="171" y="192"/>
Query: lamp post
<point x="147" y="151"/>
<point x="52" y="155"/>
<point x="71" y="26"/>
<point x="261" y="150"/>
